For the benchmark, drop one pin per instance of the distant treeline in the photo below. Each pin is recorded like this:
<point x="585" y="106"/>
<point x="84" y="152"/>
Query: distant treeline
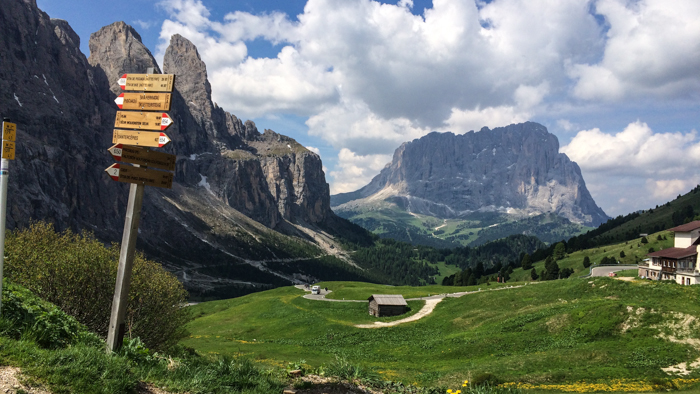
<point x="500" y="272"/>
<point x="401" y="263"/>
<point x="604" y="235"/>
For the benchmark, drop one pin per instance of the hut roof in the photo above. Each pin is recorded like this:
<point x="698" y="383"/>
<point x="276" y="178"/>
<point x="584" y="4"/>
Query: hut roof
<point x="388" y="299"/>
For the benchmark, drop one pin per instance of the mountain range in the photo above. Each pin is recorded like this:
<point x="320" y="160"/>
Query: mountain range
<point x="245" y="204"/>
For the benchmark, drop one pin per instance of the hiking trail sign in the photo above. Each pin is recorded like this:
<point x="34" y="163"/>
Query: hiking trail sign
<point x="144" y="101"/>
<point x="152" y="139"/>
<point x="142" y="120"/>
<point x="142" y="176"/>
<point x="143" y="156"/>
<point x="147" y="82"/>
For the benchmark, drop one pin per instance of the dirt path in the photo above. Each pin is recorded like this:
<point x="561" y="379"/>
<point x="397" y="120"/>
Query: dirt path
<point x="424" y="311"/>
<point x="430" y="303"/>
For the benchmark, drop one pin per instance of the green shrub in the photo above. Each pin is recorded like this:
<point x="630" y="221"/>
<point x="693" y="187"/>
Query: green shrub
<point x="77" y="273"/>
<point x="27" y="316"/>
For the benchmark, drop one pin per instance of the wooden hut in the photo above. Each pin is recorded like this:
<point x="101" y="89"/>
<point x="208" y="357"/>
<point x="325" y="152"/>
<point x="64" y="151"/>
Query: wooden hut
<point x="387" y="305"/>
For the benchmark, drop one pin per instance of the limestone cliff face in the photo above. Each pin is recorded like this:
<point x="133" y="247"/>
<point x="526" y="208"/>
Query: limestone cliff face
<point x="515" y="169"/>
<point x="233" y="184"/>
<point x="256" y="174"/>
<point x="54" y="96"/>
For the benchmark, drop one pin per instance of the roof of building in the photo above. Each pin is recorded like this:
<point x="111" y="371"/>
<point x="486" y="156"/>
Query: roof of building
<point x="675" y="253"/>
<point x="388" y="299"/>
<point x="684" y="228"/>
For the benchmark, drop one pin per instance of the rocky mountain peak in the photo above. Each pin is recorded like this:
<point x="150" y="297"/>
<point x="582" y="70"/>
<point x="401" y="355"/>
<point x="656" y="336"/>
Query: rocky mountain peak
<point x="515" y="169"/>
<point x="117" y="49"/>
<point x="182" y="59"/>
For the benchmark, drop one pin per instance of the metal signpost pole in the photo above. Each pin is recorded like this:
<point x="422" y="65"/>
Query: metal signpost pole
<point x="4" y="173"/>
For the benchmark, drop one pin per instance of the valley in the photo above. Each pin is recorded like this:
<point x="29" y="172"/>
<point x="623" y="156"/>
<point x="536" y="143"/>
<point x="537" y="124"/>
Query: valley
<point x="489" y="233"/>
<point x="390" y="221"/>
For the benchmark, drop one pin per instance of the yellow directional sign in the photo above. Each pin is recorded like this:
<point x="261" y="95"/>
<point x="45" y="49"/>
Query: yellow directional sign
<point x="9" y="131"/>
<point x="8" y="150"/>
<point x="147" y="82"/>
<point x="143" y="156"/>
<point x="144" y="176"/>
<point x="142" y="120"/>
<point x="144" y="101"/>
<point x="140" y="138"/>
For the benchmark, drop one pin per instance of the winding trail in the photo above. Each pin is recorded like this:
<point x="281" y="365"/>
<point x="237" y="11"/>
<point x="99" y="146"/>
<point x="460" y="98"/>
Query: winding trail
<point x="430" y="303"/>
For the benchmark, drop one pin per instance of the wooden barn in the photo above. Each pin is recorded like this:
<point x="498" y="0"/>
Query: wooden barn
<point x="387" y="305"/>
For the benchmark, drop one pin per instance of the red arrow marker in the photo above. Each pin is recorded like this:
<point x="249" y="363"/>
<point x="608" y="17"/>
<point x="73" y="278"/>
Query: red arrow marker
<point x="122" y="82"/>
<point x="165" y="121"/>
<point x="113" y="171"/>
<point x="116" y="152"/>
<point x="120" y="101"/>
<point x="163" y="140"/>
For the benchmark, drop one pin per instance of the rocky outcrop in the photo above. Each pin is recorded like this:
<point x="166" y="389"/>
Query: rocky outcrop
<point x="235" y="188"/>
<point x="515" y="169"/>
<point x="51" y="92"/>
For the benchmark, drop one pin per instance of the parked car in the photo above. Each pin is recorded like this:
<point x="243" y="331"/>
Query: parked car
<point x="316" y="290"/>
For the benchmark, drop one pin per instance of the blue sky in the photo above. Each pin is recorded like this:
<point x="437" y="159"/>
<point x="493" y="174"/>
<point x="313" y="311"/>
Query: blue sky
<point x="616" y="81"/>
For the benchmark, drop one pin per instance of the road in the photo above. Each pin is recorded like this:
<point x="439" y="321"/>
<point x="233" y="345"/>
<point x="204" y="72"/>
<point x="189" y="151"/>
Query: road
<point x="430" y="303"/>
<point x="604" y="271"/>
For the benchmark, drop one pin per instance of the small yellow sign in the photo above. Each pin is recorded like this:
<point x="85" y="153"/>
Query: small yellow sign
<point x="8" y="150"/>
<point x="9" y="131"/>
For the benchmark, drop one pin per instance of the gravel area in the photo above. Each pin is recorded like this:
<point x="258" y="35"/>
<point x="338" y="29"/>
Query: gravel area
<point x="11" y="382"/>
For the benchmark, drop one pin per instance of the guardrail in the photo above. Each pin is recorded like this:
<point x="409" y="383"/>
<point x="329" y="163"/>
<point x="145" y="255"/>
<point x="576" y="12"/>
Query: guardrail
<point x="590" y="270"/>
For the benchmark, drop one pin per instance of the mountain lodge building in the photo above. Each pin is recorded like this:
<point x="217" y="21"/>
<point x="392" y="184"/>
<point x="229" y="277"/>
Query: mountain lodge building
<point x="679" y="263"/>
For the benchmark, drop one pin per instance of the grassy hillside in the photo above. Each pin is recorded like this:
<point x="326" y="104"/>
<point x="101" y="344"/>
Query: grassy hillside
<point x="681" y="210"/>
<point x="558" y="332"/>
<point x="656" y="219"/>
<point x="634" y="250"/>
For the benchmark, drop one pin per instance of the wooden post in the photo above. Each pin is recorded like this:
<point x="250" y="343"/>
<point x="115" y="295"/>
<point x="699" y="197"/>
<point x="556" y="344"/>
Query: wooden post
<point x="115" y="335"/>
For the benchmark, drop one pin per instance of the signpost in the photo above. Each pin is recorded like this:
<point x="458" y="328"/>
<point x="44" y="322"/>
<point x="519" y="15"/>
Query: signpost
<point x="144" y="101"/>
<point x="140" y="138"/>
<point x="147" y="82"/>
<point x="9" y="133"/>
<point x="140" y="175"/>
<point x="142" y="120"/>
<point x="143" y="156"/>
<point x="137" y="176"/>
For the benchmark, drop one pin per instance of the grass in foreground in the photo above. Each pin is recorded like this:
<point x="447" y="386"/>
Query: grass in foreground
<point x="559" y="332"/>
<point x="56" y="351"/>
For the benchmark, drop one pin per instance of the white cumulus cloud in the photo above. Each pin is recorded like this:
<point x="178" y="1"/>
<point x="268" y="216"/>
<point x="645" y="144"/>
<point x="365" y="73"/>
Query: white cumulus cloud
<point x="355" y="171"/>
<point x="367" y="76"/>
<point x="652" y="47"/>
<point x="636" y="168"/>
